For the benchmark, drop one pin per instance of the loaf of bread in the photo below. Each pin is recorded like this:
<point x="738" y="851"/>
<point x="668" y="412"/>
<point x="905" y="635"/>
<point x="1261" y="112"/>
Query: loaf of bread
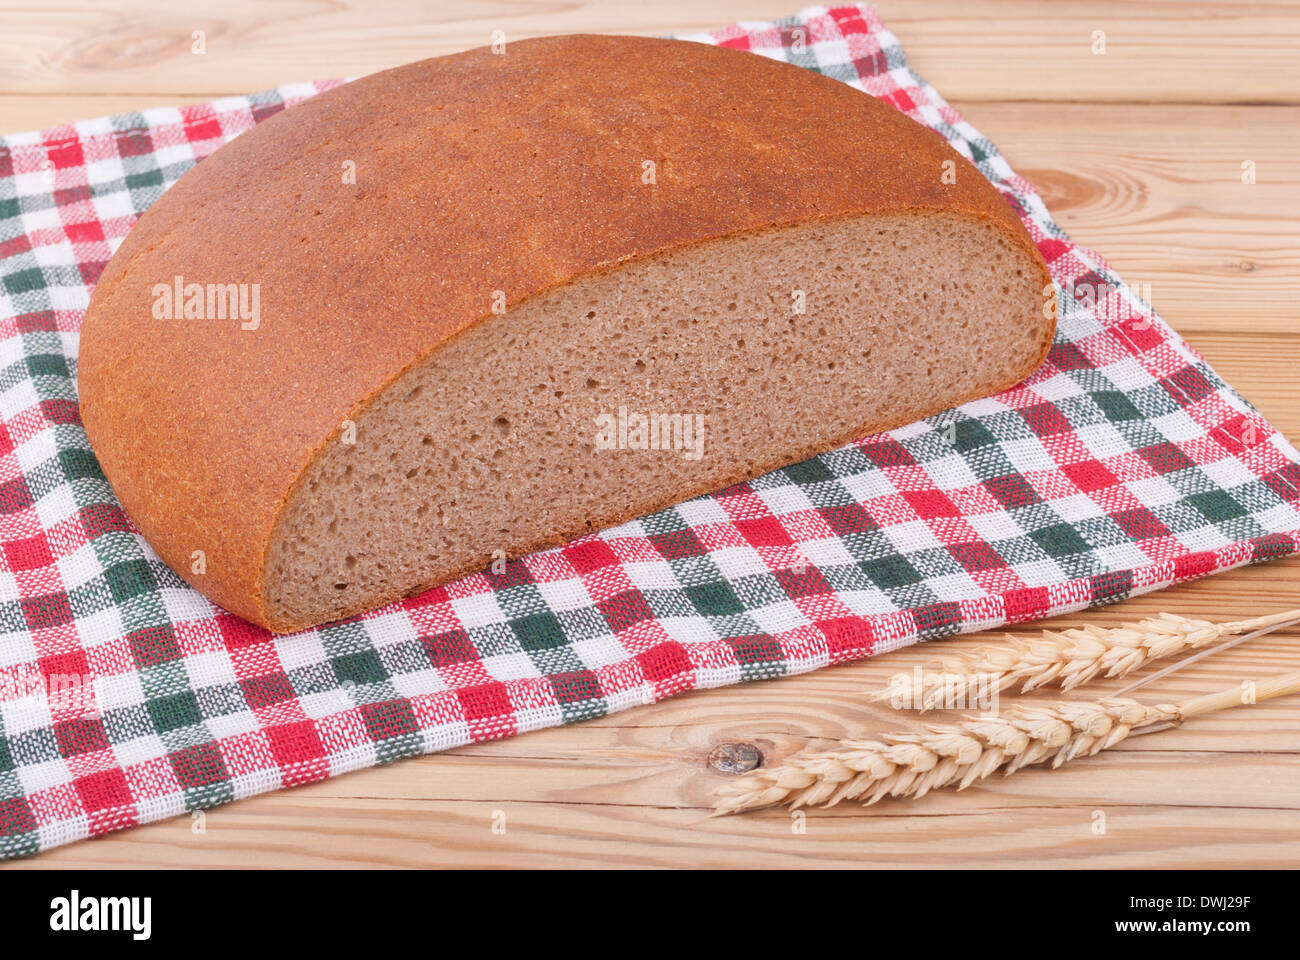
<point x="478" y="305"/>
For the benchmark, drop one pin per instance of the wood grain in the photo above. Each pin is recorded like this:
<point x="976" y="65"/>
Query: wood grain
<point x="1156" y="52"/>
<point x="1138" y="153"/>
<point x="1157" y="190"/>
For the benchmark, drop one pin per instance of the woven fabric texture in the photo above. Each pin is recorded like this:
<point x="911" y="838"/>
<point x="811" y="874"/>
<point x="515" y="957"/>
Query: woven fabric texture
<point x="1123" y="465"/>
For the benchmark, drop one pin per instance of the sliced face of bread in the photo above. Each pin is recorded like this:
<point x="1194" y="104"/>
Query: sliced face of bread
<point x="646" y="385"/>
<point x="489" y="302"/>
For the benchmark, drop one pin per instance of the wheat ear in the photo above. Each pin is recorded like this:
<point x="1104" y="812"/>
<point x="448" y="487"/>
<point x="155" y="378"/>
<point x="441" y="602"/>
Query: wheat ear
<point x="1068" y="657"/>
<point x="913" y="764"/>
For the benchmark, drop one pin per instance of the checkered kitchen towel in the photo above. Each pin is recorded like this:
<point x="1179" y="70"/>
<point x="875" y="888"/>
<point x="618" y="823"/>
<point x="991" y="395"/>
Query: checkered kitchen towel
<point x="1123" y="465"/>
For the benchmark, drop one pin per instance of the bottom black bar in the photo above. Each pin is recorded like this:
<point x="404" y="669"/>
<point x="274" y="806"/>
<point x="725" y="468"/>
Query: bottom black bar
<point x="937" y="908"/>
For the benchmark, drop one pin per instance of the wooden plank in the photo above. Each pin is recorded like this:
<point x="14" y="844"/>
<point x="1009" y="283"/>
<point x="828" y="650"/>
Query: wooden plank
<point x="1264" y="368"/>
<point x="20" y="112"/>
<point x="1158" y="191"/>
<point x="1175" y="51"/>
<point x="287" y="831"/>
<point x="1161" y="52"/>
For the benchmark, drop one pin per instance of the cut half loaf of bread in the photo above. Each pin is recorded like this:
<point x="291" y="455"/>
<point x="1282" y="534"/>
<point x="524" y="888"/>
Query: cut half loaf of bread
<point x="495" y="301"/>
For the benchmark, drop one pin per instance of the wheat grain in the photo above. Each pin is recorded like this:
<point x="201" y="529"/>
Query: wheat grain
<point x="906" y="764"/>
<point x="913" y="764"/>
<point x="1068" y="657"/>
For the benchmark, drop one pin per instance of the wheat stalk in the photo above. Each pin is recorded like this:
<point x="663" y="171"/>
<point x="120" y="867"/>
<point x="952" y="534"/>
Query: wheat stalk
<point x="1068" y="657"/>
<point x="913" y="764"/>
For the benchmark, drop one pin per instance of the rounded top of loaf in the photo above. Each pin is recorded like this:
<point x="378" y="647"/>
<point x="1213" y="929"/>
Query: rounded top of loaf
<point x="479" y="180"/>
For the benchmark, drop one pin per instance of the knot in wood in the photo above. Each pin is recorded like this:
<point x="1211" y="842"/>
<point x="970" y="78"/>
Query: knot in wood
<point x="735" y="757"/>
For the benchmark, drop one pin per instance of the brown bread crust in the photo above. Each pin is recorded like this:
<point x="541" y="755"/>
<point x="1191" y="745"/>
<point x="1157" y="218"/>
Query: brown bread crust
<point x="475" y="173"/>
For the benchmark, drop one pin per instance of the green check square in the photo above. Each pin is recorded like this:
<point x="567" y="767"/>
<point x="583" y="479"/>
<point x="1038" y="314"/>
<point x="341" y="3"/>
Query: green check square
<point x="9" y="208"/>
<point x="539" y="631"/>
<point x="809" y="471"/>
<point x="47" y="365"/>
<point x="173" y="712"/>
<point x="80" y="465"/>
<point x="715" y="599"/>
<point x="1116" y="406"/>
<point x="1059" y="540"/>
<point x="889" y="572"/>
<point x="25" y="281"/>
<point x="150" y="178"/>
<point x="361" y="667"/>
<point x="970" y="435"/>
<point x="1217" y="505"/>
<point x="130" y="579"/>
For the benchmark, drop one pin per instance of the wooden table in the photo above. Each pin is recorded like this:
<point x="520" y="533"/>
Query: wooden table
<point x="1139" y="154"/>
